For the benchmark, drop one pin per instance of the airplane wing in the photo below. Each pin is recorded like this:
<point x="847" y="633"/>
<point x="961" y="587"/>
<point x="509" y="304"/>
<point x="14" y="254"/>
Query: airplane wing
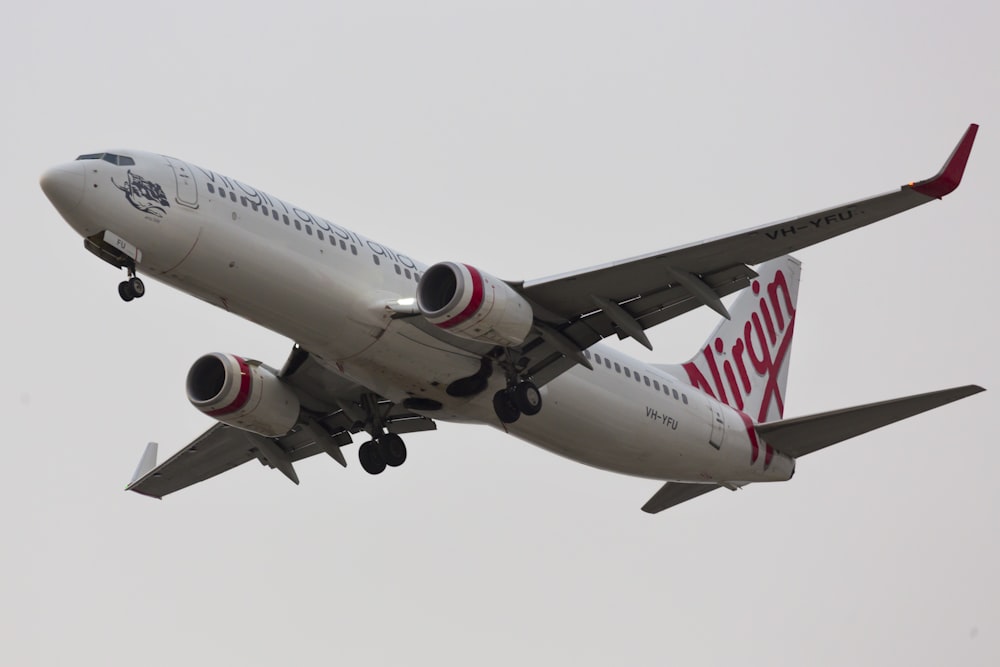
<point x="335" y="413"/>
<point x="575" y="310"/>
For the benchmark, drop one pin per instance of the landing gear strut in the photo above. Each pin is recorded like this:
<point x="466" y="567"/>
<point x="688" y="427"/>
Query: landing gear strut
<point x="133" y="288"/>
<point x="385" y="449"/>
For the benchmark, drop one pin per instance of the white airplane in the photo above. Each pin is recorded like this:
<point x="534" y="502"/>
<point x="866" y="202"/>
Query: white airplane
<point x="385" y="345"/>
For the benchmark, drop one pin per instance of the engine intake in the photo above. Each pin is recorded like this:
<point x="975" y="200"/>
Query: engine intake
<point x="242" y="393"/>
<point x="473" y="304"/>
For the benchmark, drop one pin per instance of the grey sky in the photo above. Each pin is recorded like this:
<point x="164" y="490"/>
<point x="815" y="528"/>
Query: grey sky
<point x="528" y="139"/>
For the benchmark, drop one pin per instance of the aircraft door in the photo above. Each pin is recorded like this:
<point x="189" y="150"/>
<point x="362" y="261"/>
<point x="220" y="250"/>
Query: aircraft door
<point x="187" y="189"/>
<point x="718" y="426"/>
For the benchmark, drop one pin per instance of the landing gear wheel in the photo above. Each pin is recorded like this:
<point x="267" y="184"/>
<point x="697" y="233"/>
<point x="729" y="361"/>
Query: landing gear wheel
<point x="393" y="449"/>
<point x="125" y="291"/>
<point x="371" y="458"/>
<point x="527" y="398"/>
<point x="137" y="286"/>
<point x="504" y="406"/>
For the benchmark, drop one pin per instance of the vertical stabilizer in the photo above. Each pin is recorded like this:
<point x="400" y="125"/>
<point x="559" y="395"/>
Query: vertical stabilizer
<point x="744" y="363"/>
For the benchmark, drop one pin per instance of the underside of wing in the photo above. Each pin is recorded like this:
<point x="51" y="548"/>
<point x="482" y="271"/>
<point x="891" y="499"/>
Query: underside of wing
<point x="333" y="410"/>
<point x="624" y="298"/>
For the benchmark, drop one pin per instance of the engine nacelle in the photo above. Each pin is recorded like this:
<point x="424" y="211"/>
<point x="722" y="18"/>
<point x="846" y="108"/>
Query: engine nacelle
<point x="473" y="304"/>
<point x="243" y="394"/>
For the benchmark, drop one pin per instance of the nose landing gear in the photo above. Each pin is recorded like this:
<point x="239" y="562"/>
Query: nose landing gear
<point x="133" y="288"/>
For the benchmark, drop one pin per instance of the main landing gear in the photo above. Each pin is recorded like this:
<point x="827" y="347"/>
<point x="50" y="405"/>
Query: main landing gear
<point x="387" y="450"/>
<point x="384" y="449"/>
<point x="133" y="288"/>
<point x="522" y="398"/>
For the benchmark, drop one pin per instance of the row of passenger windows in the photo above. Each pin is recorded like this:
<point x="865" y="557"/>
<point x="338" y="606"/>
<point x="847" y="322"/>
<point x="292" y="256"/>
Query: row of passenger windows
<point x="289" y="222"/>
<point x="640" y="378"/>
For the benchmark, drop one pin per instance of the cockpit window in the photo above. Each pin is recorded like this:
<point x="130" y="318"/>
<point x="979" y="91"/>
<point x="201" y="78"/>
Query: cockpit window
<point x="120" y="160"/>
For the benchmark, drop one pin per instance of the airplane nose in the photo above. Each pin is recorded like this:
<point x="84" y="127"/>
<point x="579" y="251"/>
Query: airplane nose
<point x="63" y="185"/>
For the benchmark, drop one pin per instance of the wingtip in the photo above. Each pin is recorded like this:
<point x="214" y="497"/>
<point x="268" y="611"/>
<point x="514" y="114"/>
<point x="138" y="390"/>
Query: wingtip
<point x="950" y="176"/>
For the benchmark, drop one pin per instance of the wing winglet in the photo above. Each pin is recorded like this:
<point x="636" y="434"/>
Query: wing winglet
<point x="950" y="175"/>
<point x="146" y="463"/>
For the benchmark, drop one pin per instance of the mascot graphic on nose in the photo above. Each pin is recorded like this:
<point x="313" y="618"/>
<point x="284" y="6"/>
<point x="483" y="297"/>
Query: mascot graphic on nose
<point x="146" y="196"/>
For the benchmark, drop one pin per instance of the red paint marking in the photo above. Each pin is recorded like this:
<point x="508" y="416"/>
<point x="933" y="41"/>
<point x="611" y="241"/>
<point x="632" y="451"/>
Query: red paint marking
<point x="474" y="303"/>
<point x="242" y="396"/>
<point x="754" y="346"/>
<point x="754" y="445"/>
<point x="950" y="175"/>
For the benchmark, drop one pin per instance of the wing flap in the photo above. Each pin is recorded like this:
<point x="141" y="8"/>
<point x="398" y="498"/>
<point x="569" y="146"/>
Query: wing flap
<point x="805" y="435"/>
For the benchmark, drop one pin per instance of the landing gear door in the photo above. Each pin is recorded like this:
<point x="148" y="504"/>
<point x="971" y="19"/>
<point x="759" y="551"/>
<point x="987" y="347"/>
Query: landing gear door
<point x="718" y="426"/>
<point x="187" y="189"/>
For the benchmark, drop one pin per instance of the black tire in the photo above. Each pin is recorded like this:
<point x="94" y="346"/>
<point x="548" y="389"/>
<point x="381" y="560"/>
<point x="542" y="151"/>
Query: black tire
<point x="503" y="405"/>
<point x="393" y="449"/>
<point x="125" y="291"/>
<point x="371" y="458"/>
<point x="527" y="398"/>
<point x="137" y="286"/>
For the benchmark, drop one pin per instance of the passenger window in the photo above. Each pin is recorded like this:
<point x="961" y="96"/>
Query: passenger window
<point x="274" y="214"/>
<point x="285" y="218"/>
<point x="399" y="271"/>
<point x="586" y="353"/>
<point x="309" y="230"/>
<point x="618" y="369"/>
<point x="406" y="272"/>
<point x="298" y="225"/>
<point x="597" y="357"/>
<point x="684" y="398"/>
<point x="646" y="379"/>
<point x="607" y="362"/>
<point x="232" y="195"/>
<point x="675" y="394"/>
<point x="263" y="209"/>
<point x="354" y="251"/>
<point x="343" y="246"/>
<point x="210" y="188"/>
<point x="375" y="259"/>
<point x="656" y="385"/>
<point x="628" y="373"/>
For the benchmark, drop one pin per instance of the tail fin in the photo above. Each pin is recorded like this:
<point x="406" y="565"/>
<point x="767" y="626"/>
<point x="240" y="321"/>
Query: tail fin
<point x="744" y="363"/>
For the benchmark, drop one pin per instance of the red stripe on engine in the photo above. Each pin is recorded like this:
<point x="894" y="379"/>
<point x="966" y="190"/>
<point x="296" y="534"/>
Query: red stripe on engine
<point x="242" y="396"/>
<point x="474" y="303"/>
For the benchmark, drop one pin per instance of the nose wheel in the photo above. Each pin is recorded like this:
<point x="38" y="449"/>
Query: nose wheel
<point x="133" y="288"/>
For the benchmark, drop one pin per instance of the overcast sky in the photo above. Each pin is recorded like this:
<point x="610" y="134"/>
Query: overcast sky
<point x="527" y="139"/>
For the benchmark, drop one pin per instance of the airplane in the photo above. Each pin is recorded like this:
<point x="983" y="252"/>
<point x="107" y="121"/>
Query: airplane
<point x="385" y="345"/>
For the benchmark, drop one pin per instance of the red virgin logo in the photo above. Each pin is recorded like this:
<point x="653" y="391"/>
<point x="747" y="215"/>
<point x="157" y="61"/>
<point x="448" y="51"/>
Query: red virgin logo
<point x="745" y="376"/>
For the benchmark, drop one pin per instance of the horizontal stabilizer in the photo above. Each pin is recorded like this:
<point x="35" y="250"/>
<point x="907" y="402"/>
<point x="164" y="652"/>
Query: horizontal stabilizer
<point x="805" y="435"/>
<point x="674" y="493"/>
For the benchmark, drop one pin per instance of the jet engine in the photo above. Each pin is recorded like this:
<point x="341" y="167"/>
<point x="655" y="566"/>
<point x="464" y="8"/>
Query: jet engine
<point x="471" y="303"/>
<point x="242" y="393"/>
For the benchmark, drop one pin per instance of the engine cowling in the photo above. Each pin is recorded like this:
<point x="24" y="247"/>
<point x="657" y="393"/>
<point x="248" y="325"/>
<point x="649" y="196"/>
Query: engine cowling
<point x="242" y="393"/>
<point x="473" y="304"/>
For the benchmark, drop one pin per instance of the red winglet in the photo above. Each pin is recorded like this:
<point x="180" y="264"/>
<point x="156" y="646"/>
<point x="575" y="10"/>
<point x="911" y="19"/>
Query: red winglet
<point x="950" y="175"/>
